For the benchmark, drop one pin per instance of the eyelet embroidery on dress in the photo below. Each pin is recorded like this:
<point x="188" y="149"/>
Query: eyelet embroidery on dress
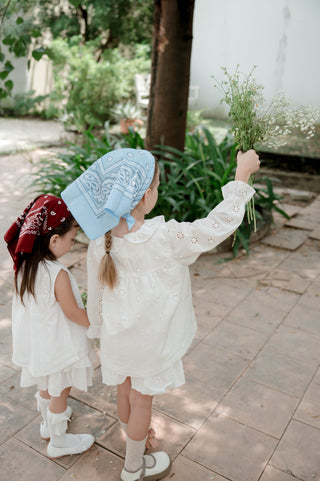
<point x="236" y="208"/>
<point x="100" y="304"/>
<point x="194" y="240"/>
<point x="180" y="235"/>
<point x="211" y="241"/>
<point x="215" y="225"/>
<point x="228" y="220"/>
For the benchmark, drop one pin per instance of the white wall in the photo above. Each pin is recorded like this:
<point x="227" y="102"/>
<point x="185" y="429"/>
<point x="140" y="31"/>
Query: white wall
<point x="280" y="37"/>
<point x="20" y="74"/>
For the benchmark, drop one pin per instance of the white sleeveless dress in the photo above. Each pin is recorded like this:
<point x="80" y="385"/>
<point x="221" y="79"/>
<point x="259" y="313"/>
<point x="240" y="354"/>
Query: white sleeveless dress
<point x="52" y="351"/>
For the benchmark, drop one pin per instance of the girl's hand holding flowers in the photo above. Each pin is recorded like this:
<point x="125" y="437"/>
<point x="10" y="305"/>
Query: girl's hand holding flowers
<point x="247" y="164"/>
<point x="255" y="122"/>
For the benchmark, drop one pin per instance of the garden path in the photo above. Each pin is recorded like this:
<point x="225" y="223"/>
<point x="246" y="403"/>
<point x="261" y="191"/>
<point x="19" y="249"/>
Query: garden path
<point x="249" y="410"/>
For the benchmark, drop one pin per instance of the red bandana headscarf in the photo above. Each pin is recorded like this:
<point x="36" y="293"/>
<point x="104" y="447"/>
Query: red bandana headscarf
<point x="42" y="215"/>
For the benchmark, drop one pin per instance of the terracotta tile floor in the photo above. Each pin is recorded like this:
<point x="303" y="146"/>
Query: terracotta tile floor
<point x="250" y="408"/>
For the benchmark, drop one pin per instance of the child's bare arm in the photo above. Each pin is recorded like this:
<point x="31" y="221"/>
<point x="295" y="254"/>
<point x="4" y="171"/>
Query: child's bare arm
<point x="247" y="164"/>
<point x="65" y="297"/>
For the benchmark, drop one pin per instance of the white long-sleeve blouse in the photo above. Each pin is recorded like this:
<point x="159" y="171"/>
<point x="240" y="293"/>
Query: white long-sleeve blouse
<point x="147" y="323"/>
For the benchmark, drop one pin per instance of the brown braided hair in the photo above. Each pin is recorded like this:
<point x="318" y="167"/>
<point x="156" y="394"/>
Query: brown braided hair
<point x="107" y="269"/>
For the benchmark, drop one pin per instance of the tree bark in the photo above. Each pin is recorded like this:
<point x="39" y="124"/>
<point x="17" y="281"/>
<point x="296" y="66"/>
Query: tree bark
<point x="170" y="73"/>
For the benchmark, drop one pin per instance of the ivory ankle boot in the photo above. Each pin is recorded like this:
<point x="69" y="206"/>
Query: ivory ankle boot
<point x="62" y="443"/>
<point x="42" y="406"/>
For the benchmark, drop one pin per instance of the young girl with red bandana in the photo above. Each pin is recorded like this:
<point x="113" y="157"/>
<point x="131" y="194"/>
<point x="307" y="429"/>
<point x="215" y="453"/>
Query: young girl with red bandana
<point x="49" y="323"/>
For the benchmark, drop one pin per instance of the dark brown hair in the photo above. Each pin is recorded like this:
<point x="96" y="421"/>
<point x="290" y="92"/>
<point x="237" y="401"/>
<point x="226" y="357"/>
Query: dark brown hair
<point x="29" y="262"/>
<point x="107" y="269"/>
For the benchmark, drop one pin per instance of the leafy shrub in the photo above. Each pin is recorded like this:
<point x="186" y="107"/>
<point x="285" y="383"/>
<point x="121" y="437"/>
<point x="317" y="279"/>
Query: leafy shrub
<point x="87" y="90"/>
<point x="54" y="174"/>
<point x="22" y="104"/>
<point x="191" y="180"/>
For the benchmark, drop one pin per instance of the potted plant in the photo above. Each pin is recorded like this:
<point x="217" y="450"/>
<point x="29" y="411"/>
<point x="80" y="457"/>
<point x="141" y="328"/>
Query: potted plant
<point x="128" y="115"/>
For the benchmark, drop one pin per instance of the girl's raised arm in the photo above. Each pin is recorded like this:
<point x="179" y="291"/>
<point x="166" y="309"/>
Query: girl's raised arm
<point x="187" y="240"/>
<point x="65" y="297"/>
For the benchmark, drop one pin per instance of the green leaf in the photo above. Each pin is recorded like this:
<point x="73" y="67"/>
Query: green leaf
<point x="9" y="84"/>
<point x="19" y="20"/>
<point x="8" y="66"/>
<point x="244" y="241"/>
<point x="38" y="53"/>
<point x="3" y="94"/>
<point x="75" y="3"/>
<point x="35" y="33"/>
<point x="4" y="74"/>
<point x="8" y="40"/>
<point x="282" y="212"/>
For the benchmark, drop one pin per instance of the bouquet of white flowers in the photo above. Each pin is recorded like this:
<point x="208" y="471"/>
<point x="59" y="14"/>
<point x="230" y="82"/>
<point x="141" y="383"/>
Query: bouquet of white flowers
<point x="254" y="121"/>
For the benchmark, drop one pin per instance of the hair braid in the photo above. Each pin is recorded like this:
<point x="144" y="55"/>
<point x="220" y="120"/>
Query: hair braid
<point x="108" y="242"/>
<point x="107" y="269"/>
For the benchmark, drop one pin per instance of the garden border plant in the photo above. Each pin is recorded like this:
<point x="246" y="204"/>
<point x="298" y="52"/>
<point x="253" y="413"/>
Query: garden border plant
<point x="193" y="177"/>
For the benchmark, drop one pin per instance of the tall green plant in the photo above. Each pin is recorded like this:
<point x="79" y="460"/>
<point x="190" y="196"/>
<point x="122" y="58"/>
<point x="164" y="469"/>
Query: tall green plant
<point x="192" y="180"/>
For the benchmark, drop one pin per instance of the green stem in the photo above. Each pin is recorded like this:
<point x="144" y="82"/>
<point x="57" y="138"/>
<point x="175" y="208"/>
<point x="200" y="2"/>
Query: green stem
<point x="251" y="213"/>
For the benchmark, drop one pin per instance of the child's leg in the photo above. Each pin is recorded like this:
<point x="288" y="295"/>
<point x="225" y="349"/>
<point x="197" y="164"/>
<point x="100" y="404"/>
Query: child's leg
<point x="59" y="404"/>
<point x="140" y="415"/>
<point x="124" y="402"/>
<point x="137" y="429"/>
<point x="43" y="401"/>
<point x="124" y="412"/>
<point x="44" y="394"/>
<point x="136" y="464"/>
<point x="61" y="443"/>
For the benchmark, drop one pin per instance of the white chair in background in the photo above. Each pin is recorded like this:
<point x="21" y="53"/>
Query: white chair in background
<point x="142" y="85"/>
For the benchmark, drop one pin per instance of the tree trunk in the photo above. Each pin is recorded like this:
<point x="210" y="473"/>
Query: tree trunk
<point x="170" y="73"/>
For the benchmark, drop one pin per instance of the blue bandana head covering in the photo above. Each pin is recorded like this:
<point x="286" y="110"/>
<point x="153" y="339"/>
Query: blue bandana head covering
<point x="109" y="189"/>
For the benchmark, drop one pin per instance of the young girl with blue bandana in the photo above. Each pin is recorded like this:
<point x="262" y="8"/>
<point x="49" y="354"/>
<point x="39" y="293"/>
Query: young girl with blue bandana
<point x="139" y="291"/>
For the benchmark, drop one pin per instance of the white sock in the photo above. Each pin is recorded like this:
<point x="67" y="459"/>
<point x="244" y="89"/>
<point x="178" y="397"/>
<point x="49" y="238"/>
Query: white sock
<point x="134" y="453"/>
<point x="124" y="426"/>
<point x="42" y="406"/>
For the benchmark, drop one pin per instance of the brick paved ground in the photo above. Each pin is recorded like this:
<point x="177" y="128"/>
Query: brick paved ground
<point x="250" y="408"/>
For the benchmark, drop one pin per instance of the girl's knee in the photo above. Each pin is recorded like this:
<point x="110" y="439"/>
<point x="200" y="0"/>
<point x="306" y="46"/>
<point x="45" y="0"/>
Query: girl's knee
<point x="139" y="400"/>
<point x="125" y="387"/>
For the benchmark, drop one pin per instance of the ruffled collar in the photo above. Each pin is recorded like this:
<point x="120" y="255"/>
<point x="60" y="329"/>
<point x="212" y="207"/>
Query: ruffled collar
<point x="144" y="233"/>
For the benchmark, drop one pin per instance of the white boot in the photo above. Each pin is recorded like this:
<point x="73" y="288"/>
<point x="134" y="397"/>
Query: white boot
<point x="61" y="443"/>
<point x="42" y="406"/>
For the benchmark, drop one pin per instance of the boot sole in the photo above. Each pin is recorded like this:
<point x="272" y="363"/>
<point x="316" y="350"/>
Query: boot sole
<point x="69" y="454"/>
